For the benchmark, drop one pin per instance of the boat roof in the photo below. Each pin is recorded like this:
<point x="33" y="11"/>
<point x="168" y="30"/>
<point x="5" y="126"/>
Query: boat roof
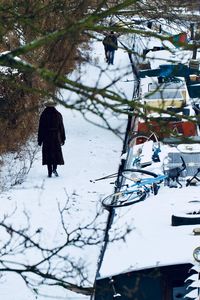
<point x="154" y="240"/>
<point x="172" y="88"/>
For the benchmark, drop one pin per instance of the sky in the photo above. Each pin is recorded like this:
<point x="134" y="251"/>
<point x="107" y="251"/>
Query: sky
<point x="90" y="152"/>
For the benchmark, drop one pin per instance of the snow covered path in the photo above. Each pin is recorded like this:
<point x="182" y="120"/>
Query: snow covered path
<point x="90" y="152"/>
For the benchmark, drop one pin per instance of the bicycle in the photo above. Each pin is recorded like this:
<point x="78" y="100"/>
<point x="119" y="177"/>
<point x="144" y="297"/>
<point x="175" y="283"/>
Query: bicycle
<point x="136" y="192"/>
<point x="143" y="185"/>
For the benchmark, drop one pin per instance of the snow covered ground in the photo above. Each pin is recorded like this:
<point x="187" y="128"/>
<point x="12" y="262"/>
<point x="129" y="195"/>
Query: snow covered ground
<point x="90" y="152"/>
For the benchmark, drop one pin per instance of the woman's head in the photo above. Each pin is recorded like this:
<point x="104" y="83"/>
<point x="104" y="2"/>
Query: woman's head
<point x="50" y="103"/>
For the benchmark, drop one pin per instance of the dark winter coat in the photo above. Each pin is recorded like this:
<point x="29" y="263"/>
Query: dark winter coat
<point x="51" y="135"/>
<point x="110" y="42"/>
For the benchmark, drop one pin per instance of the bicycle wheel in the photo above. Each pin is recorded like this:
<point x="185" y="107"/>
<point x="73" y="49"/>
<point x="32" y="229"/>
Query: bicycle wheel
<point x="123" y="198"/>
<point x="138" y="174"/>
<point x="138" y="138"/>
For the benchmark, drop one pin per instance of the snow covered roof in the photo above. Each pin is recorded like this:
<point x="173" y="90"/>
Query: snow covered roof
<point x="153" y="240"/>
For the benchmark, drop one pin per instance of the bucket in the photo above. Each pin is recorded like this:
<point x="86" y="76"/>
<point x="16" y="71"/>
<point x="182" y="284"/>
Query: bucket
<point x="193" y="77"/>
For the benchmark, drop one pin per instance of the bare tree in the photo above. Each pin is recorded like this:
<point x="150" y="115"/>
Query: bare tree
<point x="33" y="41"/>
<point x="40" y="40"/>
<point x="23" y="251"/>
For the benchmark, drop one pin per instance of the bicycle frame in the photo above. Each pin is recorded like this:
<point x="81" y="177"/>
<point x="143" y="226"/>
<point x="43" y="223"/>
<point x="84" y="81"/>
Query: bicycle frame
<point x="136" y="192"/>
<point x="145" y="185"/>
<point x="148" y="181"/>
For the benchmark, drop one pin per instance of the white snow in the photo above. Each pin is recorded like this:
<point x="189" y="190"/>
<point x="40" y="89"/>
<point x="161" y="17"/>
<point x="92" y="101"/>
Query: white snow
<point x="153" y="240"/>
<point x="91" y="152"/>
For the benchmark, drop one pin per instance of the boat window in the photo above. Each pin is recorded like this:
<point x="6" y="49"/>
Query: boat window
<point x="164" y="95"/>
<point x="172" y="86"/>
<point x="184" y="111"/>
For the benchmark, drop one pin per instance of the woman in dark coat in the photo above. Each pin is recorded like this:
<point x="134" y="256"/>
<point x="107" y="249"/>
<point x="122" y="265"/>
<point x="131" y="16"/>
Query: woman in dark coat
<point x="51" y="135"/>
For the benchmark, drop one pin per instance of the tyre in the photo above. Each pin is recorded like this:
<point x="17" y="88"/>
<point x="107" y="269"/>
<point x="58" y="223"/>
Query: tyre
<point x="185" y="220"/>
<point x="138" y="138"/>
<point x="123" y="198"/>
